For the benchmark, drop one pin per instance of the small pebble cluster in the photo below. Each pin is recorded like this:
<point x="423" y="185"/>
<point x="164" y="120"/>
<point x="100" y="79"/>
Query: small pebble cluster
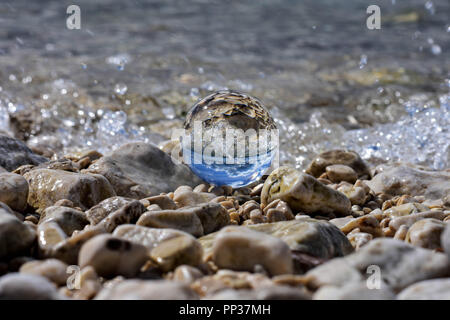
<point x="134" y="224"/>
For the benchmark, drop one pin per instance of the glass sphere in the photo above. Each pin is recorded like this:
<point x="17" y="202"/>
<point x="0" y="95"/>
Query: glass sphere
<point x="230" y="139"/>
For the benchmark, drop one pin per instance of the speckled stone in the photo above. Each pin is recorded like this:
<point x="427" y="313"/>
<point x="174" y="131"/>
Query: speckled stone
<point x="304" y="193"/>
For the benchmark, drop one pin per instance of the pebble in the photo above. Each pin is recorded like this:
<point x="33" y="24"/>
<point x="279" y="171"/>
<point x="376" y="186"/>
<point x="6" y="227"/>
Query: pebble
<point x="21" y="286"/>
<point x="367" y="224"/>
<point x="278" y="210"/>
<point x="319" y="239"/>
<point x="129" y="213"/>
<point x="436" y="289"/>
<point x="48" y="186"/>
<point x="15" y="236"/>
<point x="358" y="239"/>
<point x="67" y="218"/>
<point x="101" y="210"/>
<point x="238" y="249"/>
<point x="408" y="220"/>
<point x="344" y="157"/>
<point x="196" y="220"/>
<point x="303" y="192"/>
<point x="52" y="269"/>
<point x="164" y="202"/>
<point x="14" y="191"/>
<point x="187" y="274"/>
<point x="111" y="256"/>
<point x="339" y="172"/>
<point x="67" y="249"/>
<point x="138" y="170"/>
<point x="168" y="247"/>
<point x="14" y="153"/>
<point x="400" y="180"/>
<point x="405" y="209"/>
<point x="426" y="233"/>
<point x="356" y="195"/>
<point x="184" y="219"/>
<point x="183" y="197"/>
<point x="400" y="263"/>
<point x="147" y="290"/>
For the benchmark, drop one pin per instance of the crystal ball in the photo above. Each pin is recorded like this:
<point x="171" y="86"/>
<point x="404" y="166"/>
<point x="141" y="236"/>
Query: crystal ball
<point x="229" y="139"/>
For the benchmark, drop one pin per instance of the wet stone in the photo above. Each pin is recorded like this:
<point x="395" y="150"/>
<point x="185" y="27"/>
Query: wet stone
<point x="52" y="269"/>
<point x="339" y="172"/>
<point x="400" y="180"/>
<point x="14" y="153"/>
<point x="138" y="170"/>
<point x="105" y="207"/>
<point x="111" y="256"/>
<point x="147" y="290"/>
<point x="319" y="239"/>
<point x="168" y="247"/>
<point x="304" y="193"/>
<point x="14" y="191"/>
<point x="239" y="249"/>
<point x="401" y="264"/>
<point x="426" y="233"/>
<point x="48" y="186"/>
<point x="67" y="218"/>
<point x="15" y="236"/>
<point x="19" y="286"/>
<point x="342" y="157"/>
<point x="436" y="289"/>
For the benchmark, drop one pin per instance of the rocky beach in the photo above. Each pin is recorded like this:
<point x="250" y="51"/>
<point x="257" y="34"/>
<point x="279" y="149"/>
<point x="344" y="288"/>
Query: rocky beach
<point x="138" y="225"/>
<point x="93" y="205"/>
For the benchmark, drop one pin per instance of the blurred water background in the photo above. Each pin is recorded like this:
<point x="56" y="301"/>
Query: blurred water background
<point x="135" y="68"/>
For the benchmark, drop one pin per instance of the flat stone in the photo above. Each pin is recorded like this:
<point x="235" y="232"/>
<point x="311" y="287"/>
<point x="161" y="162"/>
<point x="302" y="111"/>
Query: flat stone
<point x="15" y="236"/>
<point x="48" y="186"/>
<point x="317" y="238"/>
<point x="409" y="220"/>
<point x="426" y="233"/>
<point x="52" y="269"/>
<point x="168" y="247"/>
<point x="436" y="289"/>
<point x="340" y="172"/>
<point x="14" y="153"/>
<point x="400" y="180"/>
<point x="67" y="218"/>
<point x="19" y="286"/>
<point x="138" y="170"/>
<point x="304" y="193"/>
<point x="14" y="191"/>
<point x="332" y="157"/>
<point x="111" y="256"/>
<point x="183" y="219"/>
<point x="241" y="249"/>
<point x="147" y="290"/>
<point x="196" y="220"/>
<point x="105" y="207"/>
<point x="400" y="264"/>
